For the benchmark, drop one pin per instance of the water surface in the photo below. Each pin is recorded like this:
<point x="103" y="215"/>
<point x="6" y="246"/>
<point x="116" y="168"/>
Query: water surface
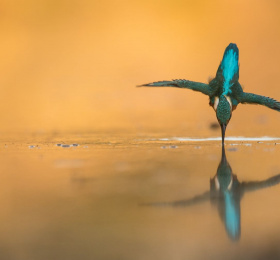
<point x="108" y="196"/>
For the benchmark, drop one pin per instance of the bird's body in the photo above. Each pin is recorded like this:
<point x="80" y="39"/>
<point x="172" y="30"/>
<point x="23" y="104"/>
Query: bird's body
<point x="224" y="91"/>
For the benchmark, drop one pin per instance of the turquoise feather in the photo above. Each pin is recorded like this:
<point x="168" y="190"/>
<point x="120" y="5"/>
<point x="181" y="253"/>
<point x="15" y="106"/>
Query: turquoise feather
<point x="229" y="67"/>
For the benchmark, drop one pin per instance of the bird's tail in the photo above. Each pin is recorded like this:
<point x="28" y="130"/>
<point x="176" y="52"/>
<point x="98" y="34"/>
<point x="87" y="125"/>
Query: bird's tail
<point x="160" y="84"/>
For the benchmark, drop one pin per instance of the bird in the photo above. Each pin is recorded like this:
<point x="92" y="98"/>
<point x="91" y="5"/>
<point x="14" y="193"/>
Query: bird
<point x="225" y="194"/>
<point x="224" y="91"/>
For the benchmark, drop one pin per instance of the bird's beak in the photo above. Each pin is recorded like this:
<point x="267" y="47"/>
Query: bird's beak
<point x="223" y="128"/>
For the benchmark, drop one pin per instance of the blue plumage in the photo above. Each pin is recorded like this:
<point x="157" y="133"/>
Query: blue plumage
<point x="229" y="67"/>
<point x="232" y="216"/>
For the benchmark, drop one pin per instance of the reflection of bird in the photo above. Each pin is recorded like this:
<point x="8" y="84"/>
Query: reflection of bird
<point x="224" y="91"/>
<point x="225" y="193"/>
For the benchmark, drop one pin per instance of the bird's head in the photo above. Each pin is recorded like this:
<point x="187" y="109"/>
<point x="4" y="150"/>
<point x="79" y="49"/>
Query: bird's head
<point x="223" y="112"/>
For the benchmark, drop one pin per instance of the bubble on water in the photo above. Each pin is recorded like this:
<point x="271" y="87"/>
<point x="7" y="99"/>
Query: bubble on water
<point x="65" y="145"/>
<point x="170" y="146"/>
<point x="233" y="149"/>
<point x="241" y="144"/>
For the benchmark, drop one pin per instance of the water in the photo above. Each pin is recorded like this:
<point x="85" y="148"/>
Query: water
<point x="106" y="196"/>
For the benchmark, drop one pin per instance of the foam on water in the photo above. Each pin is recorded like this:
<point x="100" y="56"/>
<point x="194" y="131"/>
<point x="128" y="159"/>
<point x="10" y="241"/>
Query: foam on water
<point x="231" y="138"/>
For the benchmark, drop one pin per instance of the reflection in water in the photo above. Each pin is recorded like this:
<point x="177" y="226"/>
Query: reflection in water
<point x="225" y="193"/>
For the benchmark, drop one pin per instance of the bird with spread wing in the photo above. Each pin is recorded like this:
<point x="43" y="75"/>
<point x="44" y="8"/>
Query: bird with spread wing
<point x="224" y="91"/>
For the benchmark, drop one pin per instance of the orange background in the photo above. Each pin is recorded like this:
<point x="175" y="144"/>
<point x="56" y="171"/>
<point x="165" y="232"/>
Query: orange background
<point x="73" y="65"/>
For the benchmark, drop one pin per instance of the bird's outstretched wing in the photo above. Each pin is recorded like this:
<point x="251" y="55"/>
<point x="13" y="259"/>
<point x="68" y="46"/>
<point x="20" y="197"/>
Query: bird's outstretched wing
<point x="182" y="203"/>
<point x="182" y="83"/>
<point x="249" y="98"/>
<point x="256" y="185"/>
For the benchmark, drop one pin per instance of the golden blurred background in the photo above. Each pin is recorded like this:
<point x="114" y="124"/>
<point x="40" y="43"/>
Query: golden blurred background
<point x="72" y="66"/>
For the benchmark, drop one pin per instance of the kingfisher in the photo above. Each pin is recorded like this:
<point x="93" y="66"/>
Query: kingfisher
<point x="224" y="91"/>
<point x="225" y="194"/>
